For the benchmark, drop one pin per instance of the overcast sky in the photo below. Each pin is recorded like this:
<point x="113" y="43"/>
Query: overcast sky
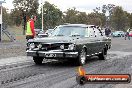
<point x="83" y="5"/>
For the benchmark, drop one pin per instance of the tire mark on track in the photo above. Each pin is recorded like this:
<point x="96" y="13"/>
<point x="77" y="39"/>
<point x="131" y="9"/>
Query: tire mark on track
<point x="99" y="65"/>
<point x="47" y="77"/>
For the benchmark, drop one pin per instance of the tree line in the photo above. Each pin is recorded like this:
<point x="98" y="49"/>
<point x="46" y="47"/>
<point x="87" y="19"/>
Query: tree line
<point x="116" y="19"/>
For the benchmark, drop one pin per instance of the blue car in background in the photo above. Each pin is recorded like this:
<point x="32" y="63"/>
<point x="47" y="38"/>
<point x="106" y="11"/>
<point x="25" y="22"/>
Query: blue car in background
<point x="118" y="34"/>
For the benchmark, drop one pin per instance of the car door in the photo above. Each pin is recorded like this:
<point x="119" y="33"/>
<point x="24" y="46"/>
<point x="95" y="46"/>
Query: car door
<point x="91" y="45"/>
<point x="99" y="40"/>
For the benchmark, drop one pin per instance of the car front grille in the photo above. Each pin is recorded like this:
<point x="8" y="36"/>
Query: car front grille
<point x="56" y="46"/>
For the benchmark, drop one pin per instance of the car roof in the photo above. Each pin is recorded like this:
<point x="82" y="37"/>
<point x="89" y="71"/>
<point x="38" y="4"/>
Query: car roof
<point x="80" y="25"/>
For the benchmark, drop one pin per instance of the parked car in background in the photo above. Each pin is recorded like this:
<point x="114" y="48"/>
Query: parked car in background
<point x="37" y="31"/>
<point x="118" y="34"/>
<point x="42" y="34"/>
<point x="73" y="42"/>
<point x="49" y="32"/>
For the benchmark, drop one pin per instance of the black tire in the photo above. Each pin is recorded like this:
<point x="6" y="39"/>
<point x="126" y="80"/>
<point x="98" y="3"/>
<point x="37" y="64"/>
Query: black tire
<point x="38" y="60"/>
<point x="81" y="60"/>
<point x="103" y="54"/>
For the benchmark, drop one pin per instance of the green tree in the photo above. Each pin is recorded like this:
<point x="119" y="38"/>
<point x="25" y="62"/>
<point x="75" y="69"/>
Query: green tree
<point x="129" y="16"/>
<point x="119" y="19"/>
<point x="6" y="17"/>
<point x="74" y="16"/>
<point x="102" y="17"/>
<point x="52" y="15"/>
<point x="70" y="16"/>
<point x="82" y="18"/>
<point x="16" y="17"/>
<point x="27" y="8"/>
<point x="93" y="18"/>
<point x="104" y="13"/>
<point x="38" y="22"/>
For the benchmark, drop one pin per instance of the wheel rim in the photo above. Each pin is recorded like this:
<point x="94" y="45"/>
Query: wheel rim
<point x="83" y="57"/>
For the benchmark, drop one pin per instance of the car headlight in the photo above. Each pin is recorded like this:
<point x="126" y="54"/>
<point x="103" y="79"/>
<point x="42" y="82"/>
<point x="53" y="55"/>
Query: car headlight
<point x="39" y="46"/>
<point x="32" y="45"/>
<point x="62" y="47"/>
<point x="71" y="47"/>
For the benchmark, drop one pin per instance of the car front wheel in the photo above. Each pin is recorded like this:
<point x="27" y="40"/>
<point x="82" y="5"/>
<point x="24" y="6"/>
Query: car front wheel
<point x="103" y="54"/>
<point x="38" y="60"/>
<point x="81" y="58"/>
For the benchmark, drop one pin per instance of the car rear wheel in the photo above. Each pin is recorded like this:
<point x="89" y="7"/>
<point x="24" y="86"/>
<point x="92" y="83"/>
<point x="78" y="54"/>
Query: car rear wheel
<point x="38" y="60"/>
<point x="103" y="54"/>
<point x="81" y="58"/>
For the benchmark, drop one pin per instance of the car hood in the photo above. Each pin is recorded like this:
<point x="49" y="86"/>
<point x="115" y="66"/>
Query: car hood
<point x="55" y="39"/>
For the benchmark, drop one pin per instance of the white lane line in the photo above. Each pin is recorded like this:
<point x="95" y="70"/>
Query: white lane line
<point x="10" y="69"/>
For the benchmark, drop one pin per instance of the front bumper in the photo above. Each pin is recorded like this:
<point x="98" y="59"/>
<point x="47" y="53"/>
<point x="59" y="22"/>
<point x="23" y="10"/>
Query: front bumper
<point x="52" y="54"/>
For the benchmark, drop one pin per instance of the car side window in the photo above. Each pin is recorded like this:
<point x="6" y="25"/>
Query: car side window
<point x="87" y="32"/>
<point x="91" y="32"/>
<point x="98" y="32"/>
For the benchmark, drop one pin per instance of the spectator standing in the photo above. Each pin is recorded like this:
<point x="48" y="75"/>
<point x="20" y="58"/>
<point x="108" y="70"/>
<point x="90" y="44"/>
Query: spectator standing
<point x="127" y="34"/>
<point x="30" y="32"/>
<point x="107" y="32"/>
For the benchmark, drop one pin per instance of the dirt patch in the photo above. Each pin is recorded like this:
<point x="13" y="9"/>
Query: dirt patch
<point x="12" y="49"/>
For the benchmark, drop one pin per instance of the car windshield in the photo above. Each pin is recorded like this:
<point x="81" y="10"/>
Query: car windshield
<point x="71" y="31"/>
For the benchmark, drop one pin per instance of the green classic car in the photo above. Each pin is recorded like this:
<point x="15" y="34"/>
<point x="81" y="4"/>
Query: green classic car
<point x="74" y="42"/>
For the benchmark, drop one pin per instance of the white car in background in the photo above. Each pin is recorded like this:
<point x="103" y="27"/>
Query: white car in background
<point x="118" y="34"/>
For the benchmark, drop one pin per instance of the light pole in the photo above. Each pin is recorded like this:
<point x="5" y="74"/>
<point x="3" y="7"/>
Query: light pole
<point x="42" y="16"/>
<point x="109" y="10"/>
<point x="2" y="1"/>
